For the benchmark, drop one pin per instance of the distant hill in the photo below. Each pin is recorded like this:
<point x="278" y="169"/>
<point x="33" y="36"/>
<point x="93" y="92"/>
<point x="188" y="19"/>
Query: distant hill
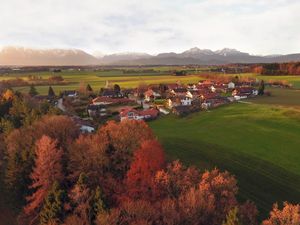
<point x="20" y="56"/>
<point x="44" y="57"/>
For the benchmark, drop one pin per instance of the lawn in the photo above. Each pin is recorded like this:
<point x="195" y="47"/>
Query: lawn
<point x="257" y="143"/>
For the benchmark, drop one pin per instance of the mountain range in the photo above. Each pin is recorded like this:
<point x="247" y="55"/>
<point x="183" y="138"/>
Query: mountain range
<point x="20" y="56"/>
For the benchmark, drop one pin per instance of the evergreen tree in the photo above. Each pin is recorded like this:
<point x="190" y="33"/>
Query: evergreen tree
<point x="53" y="208"/>
<point x="80" y="198"/>
<point x="51" y="92"/>
<point x="98" y="204"/>
<point x="117" y="88"/>
<point x="32" y="91"/>
<point x="89" y="88"/>
<point x="232" y="217"/>
<point x="261" y="88"/>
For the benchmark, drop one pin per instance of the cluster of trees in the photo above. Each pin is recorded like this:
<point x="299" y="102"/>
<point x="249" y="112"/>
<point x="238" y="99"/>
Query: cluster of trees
<point x="291" y="68"/>
<point x="17" y="110"/>
<point x="32" y="80"/>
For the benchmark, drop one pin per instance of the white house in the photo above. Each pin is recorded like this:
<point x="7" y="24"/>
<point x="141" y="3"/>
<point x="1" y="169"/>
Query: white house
<point x="186" y="101"/>
<point x="231" y="85"/>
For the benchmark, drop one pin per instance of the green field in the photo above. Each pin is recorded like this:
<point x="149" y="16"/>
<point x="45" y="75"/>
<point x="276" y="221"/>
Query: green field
<point x="258" y="143"/>
<point x="98" y="79"/>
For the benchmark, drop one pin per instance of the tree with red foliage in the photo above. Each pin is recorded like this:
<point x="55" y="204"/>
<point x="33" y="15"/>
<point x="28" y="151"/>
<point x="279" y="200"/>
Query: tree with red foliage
<point x="148" y="159"/>
<point x="289" y="215"/>
<point x="248" y="213"/>
<point x="47" y="170"/>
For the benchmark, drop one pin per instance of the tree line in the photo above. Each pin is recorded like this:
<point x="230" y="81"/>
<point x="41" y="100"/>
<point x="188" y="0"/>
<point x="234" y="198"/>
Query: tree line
<point x="291" y="68"/>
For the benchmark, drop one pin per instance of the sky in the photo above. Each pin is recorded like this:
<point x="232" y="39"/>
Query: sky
<point x="153" y="26"/>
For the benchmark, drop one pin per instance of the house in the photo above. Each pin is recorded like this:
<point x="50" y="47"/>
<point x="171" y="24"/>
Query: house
<point x="133" y="114"/>
<point x="181" y="110"/>
<point x="244" y="92"/>
<point x="178" y="100"/>
<point x="231" y="85"/>
<point x="70" y="93"/>
<point x="111" y="93"/>
<point x="150" y="94"/>
<point x="84" y="126"/>
<point x="179" y="91"/>
<point x="208" y="95"/>
<point x="102" y="100"/>
<point x="97" y="110"/>
<point x="86" y="129"/>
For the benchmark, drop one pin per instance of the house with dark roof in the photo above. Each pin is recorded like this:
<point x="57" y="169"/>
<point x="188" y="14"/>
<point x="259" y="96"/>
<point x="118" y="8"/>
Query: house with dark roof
<point x="111" y="93"/>
<point x="70" y="93"/>
<point x="97" y="110"/>
<point x="244" y="92"/>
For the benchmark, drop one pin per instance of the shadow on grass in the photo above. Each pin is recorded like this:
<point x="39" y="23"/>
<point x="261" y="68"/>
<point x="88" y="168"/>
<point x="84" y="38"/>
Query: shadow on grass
<point x="260" y="181"/>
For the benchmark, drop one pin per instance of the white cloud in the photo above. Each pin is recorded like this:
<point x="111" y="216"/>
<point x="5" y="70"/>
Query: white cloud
<point x="255" y="26"/>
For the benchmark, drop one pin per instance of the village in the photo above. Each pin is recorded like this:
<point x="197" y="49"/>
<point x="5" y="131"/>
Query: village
<point x="149" y="102"/>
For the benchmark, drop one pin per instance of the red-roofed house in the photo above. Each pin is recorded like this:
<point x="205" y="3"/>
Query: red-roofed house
<point x="150" y="94"/>
<point x="133" y="114"/>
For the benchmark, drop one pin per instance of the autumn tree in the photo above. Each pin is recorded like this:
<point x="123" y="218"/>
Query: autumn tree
<point x="58" y="127"/>
<point x="222" y="187"/>
<point x="20" y="145"/>
<point x="131" y="212"/>
<point x="176" y="179"/>
<point x="148" y="159"/>
<point x="47" y="170"/>
<point x="248" y="213"/>
<point x="87" y="155"/>
<point x="20" y="153"/>
<point x="289" y="215"/>
<point x="8" y="95"/>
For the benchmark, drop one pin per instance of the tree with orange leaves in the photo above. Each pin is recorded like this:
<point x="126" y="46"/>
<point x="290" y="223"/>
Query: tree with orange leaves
<point x="47" y="170"/>
<point x="148" y="159"/>
<point x="289" y="215"/>
<point x="222" y="187"/>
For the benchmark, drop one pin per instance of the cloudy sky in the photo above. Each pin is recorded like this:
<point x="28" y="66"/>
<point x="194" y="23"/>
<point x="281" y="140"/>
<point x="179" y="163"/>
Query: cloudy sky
<point x="254" y="26"/>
